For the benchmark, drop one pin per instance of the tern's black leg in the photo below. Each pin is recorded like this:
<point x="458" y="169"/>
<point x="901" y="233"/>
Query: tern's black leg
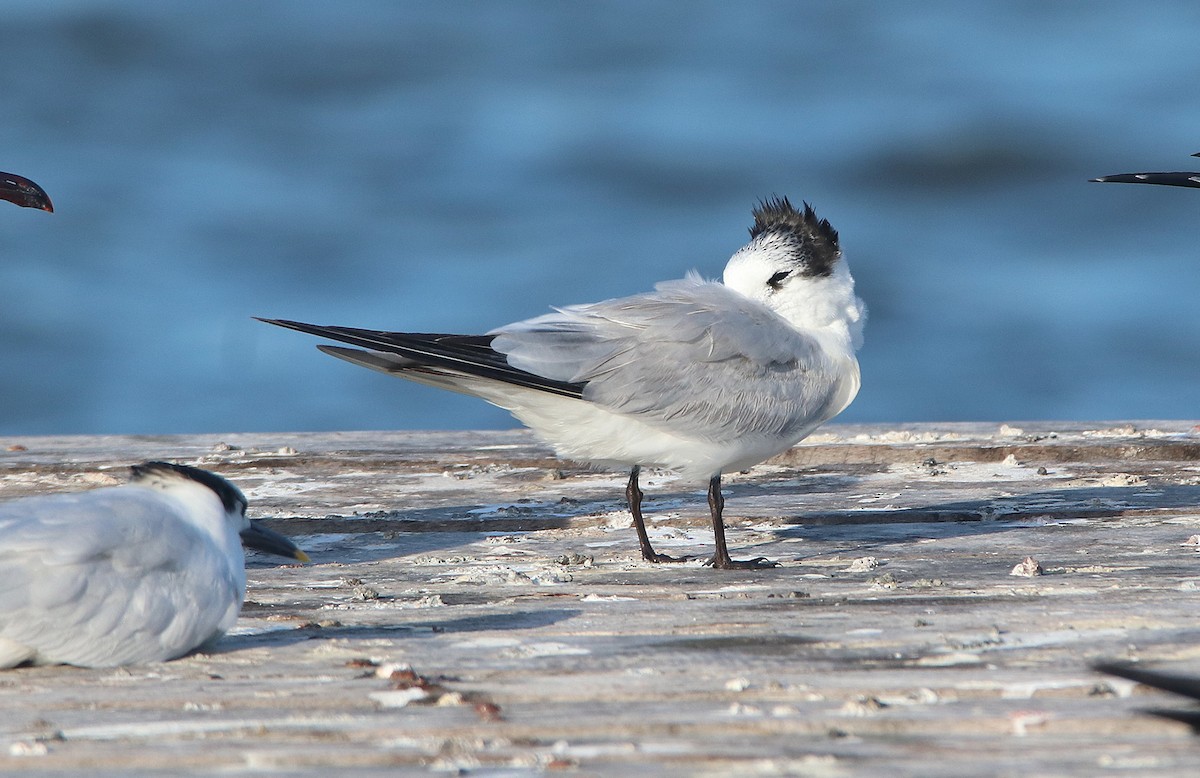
<point x="720" y="560"/>
<point x="634" y="496"/>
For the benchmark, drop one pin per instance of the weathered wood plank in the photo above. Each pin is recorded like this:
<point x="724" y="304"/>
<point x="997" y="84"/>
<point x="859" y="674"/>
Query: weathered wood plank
<point x="892" y="637"/>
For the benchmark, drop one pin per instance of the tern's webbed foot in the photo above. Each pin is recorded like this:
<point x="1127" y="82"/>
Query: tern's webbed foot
<point x="758" y="563"/>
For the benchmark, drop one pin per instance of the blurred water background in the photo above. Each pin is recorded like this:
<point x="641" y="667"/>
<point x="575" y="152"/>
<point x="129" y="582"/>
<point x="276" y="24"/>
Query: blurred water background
<point x="451" y="166"/>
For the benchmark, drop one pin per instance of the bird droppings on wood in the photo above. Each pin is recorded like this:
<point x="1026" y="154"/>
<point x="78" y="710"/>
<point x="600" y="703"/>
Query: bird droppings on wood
<point x="517" y="608"/>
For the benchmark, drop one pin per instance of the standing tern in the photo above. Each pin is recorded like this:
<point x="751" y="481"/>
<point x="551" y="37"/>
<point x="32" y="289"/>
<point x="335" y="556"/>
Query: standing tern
<point x="700" y="377"/>
<point x="1180" y="178"/>
<point x="23" y="192"/>
<point x="143" y="572"/>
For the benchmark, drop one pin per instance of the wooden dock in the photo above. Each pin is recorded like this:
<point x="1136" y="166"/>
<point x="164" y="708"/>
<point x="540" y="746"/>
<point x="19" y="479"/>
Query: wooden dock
<point x="476" y="606"/>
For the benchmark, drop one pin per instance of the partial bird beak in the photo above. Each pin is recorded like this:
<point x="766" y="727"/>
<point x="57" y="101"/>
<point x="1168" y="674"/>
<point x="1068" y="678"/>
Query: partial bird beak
<point x="23" y="192"/>
<point x="268" y="541"/>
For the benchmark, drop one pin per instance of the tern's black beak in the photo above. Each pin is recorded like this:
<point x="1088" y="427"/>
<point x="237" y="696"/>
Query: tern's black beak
<point x="23" y="192"/>
<point x="268" y="541"/>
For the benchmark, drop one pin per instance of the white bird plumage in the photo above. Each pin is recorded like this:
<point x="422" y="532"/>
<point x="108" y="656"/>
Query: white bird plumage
<point x="697" y="376"/>
<point x="142" y="572"/>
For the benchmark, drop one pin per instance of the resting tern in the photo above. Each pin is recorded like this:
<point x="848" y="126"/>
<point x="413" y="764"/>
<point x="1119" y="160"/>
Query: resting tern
<point x="700" y="377"/>
<point x="142" y="572"/>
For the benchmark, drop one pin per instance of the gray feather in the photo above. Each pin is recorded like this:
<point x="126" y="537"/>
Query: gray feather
<point x="648" y="355"/>
<point x="94" y="590"/>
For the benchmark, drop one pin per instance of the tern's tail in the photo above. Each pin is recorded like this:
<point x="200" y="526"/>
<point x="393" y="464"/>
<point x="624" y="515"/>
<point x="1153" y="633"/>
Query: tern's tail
<point x="425" y="356"/>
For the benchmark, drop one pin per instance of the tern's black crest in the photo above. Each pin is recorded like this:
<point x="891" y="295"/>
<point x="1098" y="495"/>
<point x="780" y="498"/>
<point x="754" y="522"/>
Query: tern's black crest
<point x="231" y="497"/>
<point x="816" y="239"/>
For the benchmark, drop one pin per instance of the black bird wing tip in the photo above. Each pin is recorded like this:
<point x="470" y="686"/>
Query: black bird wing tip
<point x="1183" y="716"/>
<point x="1174" y="178"/>
<point x="311" y="329"/>
<point x="1167" y="179"/>
<point x="374" y="360"/>
<point x="1121" y="178"/>
<point x="1180" y="178"/>
<point x="19" y="190"/>
<point x="1183" y="685"/>
<point x="277" y="322"/>
<point x="1119" y="669"/>
<point x="460" y="354"/>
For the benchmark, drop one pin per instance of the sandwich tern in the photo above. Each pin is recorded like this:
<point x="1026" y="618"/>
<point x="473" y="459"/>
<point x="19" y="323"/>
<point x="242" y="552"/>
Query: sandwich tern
<point x="142" y="572"/>
<point x="700" y="377"/>
<point x="1179" y="178"/>
<point x="23" y="192"/>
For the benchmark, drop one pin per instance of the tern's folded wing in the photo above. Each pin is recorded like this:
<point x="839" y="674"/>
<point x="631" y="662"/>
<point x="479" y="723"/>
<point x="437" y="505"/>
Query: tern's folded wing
<point x="105" y="579"/>
<point x="694" y="357"/>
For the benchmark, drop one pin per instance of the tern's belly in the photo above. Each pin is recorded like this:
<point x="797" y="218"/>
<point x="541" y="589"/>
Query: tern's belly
<point x="588" y="433"/>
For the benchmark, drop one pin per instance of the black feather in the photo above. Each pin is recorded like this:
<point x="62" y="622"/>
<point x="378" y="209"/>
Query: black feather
<point x="1180" y="178"/>
<point x="815" y="239"/>
<point x="1183" y="685"/>
<point x="464" y="354"/>
<point x="231" y="497"/>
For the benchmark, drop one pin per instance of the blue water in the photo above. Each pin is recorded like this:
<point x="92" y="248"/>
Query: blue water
<point x="454" y="166"/>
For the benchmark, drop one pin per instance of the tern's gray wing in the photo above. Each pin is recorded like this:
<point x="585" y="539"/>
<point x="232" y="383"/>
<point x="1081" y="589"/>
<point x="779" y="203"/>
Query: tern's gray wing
<point x="109" y="577"/>
<point x="693" y="357"/>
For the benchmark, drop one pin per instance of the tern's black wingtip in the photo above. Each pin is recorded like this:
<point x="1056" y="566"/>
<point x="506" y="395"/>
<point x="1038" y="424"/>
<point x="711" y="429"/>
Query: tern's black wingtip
<point x="287" y="323"/>
<point x="19" y="190"/>
<point x="1175" y="683"/>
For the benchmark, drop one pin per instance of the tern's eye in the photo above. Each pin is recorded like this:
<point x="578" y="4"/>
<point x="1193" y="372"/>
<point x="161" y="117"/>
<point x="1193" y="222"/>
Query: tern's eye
<point x="776" y="280"/>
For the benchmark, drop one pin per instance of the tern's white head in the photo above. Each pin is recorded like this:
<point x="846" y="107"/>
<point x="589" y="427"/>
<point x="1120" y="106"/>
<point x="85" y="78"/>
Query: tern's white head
<point x="214" y="505"/>
<point x="794" y="266"/>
